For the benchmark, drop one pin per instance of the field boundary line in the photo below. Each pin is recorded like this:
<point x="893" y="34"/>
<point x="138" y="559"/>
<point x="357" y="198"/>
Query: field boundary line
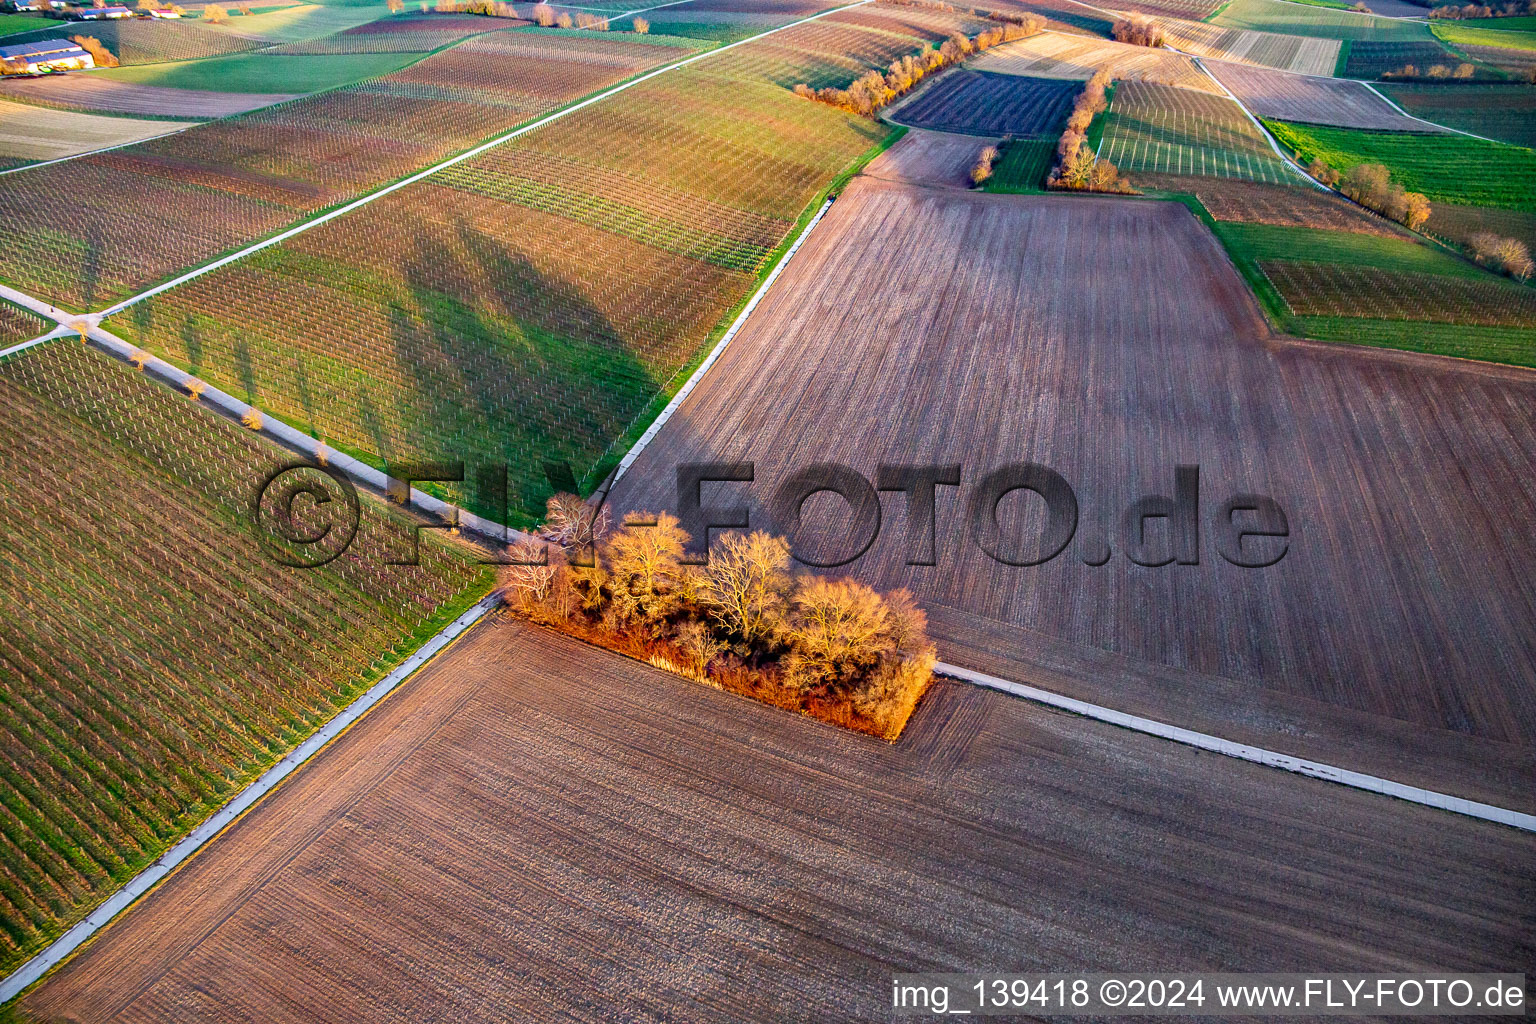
<point x="715" y="353"/>
<point x="103" y="149"/>
<point x="1292" y="164"/>
<point x="58" y="332"/>
<point x="459" y="158"/>
<point x="289" y="437"/>
<point x="1245" y="751"/>
<point x="64" y="945"/>
<point x="1433" y="124"/>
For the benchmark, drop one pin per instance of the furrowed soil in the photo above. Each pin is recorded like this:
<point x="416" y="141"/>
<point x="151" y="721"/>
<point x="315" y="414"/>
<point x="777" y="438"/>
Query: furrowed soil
<point x="532" y="829"/>
<point x="1397" y="635"/>
<point x="930" y="158"/>
<point x="1279" y="94"/>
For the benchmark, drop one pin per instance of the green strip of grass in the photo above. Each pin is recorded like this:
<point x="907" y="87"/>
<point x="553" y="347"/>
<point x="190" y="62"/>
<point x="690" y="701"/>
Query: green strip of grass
<point x="1512" y="345"/>
<point x="1022" y="167"/>
<point x="1446" y="168"/>
<point x="1338" y="66"/>
<point x="263" y="72"/>
<point x="1462" y="34"/>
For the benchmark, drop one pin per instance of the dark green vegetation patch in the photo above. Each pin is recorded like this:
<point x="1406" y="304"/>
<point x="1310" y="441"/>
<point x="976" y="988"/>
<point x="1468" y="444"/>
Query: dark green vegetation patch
<point x="1023" y="165"/>
<point x="1506" y="112"/>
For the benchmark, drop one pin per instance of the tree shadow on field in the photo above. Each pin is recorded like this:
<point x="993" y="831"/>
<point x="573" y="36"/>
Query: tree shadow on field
<point x="90" y="267"/>
<point x="143" y="315"/>
<point x="245" y="368"/>
<point x="511" y="365"/>
<point x="192" y="341"/>
<point x="306" y="393"/>
<point x="373" y="423"/>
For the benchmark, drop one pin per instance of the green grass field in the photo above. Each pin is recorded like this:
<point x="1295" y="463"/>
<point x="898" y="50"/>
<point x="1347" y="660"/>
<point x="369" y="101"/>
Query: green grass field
<point x="259" y="72"/>
<point x="1023" y="166"/>
<point x="1483" y="32"/>
<point x="1256" y="242"/>
<point x="1513" y="345"/>
<point x="620" y="30"/>
<point x="1446" y="168"/>
<point x="713" y="32"/>
<point x="1159" y="129"/>
<point x="1330" y="4"/>
<point x="10" y="24"/>
<point x="1323" y="22"/>
<point x="1458" y="291"/>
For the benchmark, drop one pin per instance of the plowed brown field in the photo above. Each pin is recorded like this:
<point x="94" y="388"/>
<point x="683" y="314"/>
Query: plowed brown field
<point x="532" y="830"/>
<point x="930" y="158"/>
<point x="1111" y="341"/>
<point x="1271" y="93"/>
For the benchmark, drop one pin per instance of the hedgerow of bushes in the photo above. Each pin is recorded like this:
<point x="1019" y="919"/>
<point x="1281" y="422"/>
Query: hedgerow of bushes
<point x="874" y="89"/>
<point x="1505" y="255"/>
<point x="1077" y="166"/>
<point x="743" y="621"/>
<point x="1139" y="30"/>
<point x="1371" y="186"/>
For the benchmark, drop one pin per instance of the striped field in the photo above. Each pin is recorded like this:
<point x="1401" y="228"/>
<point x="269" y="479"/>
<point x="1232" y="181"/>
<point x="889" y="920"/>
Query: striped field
<point x="1165" y="130"/>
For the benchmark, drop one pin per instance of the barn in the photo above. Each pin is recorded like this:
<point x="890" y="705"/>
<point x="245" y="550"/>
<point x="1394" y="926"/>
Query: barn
<point x="43" y="56"/>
